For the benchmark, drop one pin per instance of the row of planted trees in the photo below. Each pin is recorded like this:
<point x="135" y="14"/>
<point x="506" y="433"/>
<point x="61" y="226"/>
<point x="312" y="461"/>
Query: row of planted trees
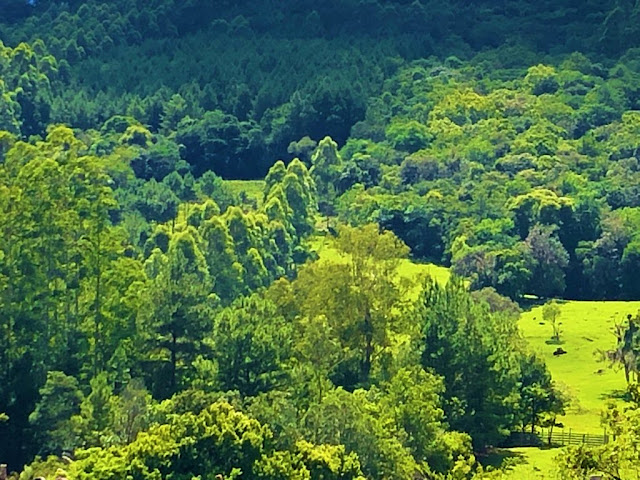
<point x="77" y="296"/>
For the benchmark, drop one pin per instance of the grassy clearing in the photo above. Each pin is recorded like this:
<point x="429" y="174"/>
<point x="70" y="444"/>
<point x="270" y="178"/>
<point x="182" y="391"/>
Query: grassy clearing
<point x="586" y="329"/>
<point x="253" y="189"/>
<point x="525" y="463"/>
<point x="407" y="269"/>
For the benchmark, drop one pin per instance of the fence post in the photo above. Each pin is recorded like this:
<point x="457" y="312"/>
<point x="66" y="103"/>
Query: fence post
<point x="3" y="471"/>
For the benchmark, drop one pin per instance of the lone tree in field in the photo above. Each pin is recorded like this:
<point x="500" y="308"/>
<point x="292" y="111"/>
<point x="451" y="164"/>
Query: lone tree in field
<point x="551" y="313"/>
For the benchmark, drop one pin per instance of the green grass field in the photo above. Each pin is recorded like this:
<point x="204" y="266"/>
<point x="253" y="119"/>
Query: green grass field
<point x="407" y="269"/>
<point x="586" y="329"/>
<point x="525" y="463"/>
<point x="253" y="189"/>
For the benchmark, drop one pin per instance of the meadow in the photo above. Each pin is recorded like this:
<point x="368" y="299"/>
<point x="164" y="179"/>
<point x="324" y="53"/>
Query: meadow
<point x="586" y="331"/>
<point x="252" y="190"/>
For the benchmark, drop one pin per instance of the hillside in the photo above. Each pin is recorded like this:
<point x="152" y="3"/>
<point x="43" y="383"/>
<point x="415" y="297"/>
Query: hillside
<point x="292" y="240"/>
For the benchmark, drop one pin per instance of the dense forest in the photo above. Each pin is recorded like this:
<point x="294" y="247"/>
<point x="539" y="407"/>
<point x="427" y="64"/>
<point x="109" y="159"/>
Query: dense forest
<point x="157" y="322"/>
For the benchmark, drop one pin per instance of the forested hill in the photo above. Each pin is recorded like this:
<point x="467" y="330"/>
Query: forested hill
<point x="277" y="71"/>
<point x="160" y="318"/>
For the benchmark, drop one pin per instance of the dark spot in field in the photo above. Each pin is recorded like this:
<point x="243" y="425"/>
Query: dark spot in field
<point x="559" y="351"/>
<point x="588" y="339"/>
<point x="600" y="372"/>
<point x="540" y="323"/>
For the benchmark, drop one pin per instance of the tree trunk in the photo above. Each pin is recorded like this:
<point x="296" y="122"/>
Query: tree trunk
<point x="98" y="317"/>
<point x="626" y="372"/>
<point x="174" y="347"/>
<point x="368" y="349"/>
<point x="533" y="417"/>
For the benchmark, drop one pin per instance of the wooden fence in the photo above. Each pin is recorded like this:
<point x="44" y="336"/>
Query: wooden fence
<point x="558" y="437"/>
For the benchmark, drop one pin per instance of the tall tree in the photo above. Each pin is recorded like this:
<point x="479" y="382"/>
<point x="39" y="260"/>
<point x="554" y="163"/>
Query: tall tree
<point x="477" y="355"/>
<point x="177" y="310"/>
<point x="358" y="294"/>
<point x="251" y="346"/>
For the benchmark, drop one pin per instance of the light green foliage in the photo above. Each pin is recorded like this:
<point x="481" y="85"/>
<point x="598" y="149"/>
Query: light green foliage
<point x="218" y="440"/>
<point x="463" y="106"/>
<point x="363" y="428"/>
<point x="540" y="206"/>
<point x="551" y="314"/>
<point x="242" y="230"/>
<point x="25" y="88"/>
<point x="300" y="191"/>
<point x="413" y="400"/>
<point x="136" y="135"/>
<point x="275" y="176"/>
<point x="222" y="262"/>
<point x="214" y="440"/>
<point x="325" y="171"/>
<point x="357" y="296"/>
<point x="408" y="135"/>
<point x="310" y="462"/>
<point x="95" y="411"/>
<point x="50" y="466"/>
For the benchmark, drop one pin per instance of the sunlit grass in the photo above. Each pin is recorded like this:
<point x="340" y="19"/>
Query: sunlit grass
<point x="415" y="272"/>
<point x="253" y="189"/>
<point x="586" y="330"/>
<point x="526" y="463"/>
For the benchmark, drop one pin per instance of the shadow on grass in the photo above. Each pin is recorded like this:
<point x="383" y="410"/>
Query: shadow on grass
<point x="500" y="457"/>
<point x="617" y="394"/>
<point x="506" y="459"/>
<point x="529" y="302"/>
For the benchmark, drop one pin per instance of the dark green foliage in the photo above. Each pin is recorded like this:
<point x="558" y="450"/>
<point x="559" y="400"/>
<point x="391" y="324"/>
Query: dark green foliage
<point x="157" y="161"/>
<point x="60" y="399"/>
<point x="222" y="144"/>
<point x="485" y="384"/>
<point x="251" y="346"/>
<point x="130" y="271"/>
<point x="156" y="201"/>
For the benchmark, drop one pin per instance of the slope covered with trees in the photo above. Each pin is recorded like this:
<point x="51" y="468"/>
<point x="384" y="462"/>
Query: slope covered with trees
<point x="156" y="324"/>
